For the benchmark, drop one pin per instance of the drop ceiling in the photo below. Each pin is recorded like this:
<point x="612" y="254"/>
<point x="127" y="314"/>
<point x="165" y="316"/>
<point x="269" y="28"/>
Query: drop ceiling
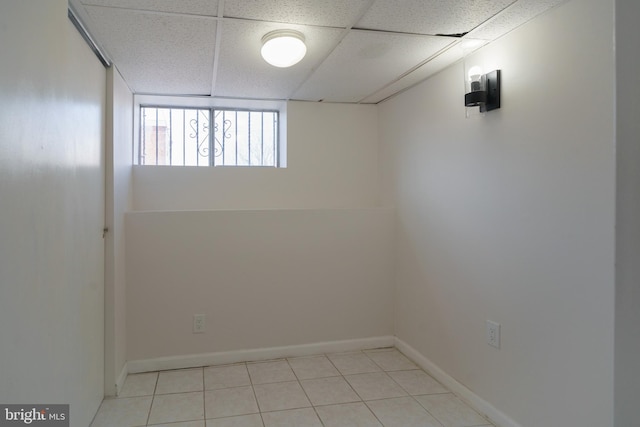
<point x="358" y="51"/>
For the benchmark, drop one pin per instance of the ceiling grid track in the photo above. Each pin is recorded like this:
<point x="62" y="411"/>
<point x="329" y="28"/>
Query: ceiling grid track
<point x="406" y="73"/>
<point x="344" y="34"/>
<point x="218" y="44"/>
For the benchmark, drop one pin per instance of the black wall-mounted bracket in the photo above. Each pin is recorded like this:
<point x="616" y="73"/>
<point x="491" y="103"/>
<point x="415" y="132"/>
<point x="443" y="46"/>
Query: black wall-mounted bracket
<point x="492" y="82"/>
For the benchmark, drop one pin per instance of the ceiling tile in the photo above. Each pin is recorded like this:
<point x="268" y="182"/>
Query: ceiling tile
<point x="193" y="7"/>
<point x="512" y="17"/>
<point x="332" y="13"/>
<point x="366" y="61"/>
<point x="243" y="73"/>
<point x="158" y="53"/>
<point x="430" y="16"/>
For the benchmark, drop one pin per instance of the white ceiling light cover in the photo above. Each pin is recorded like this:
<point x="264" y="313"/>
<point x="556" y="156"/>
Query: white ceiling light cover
<point x="283" y="48"/>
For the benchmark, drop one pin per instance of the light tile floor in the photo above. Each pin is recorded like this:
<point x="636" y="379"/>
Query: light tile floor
<point x="359" y="389"/>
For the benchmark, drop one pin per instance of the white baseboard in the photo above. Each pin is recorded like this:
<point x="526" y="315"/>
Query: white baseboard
<point x="121" y="378"/>
<point x="476" y="402"/>
<point x="236" y="356"/>
<point x="220" y="358"/>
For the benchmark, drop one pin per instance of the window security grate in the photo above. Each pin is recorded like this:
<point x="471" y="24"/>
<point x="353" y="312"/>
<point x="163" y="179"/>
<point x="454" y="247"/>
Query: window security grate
<point x="187" y="137"/>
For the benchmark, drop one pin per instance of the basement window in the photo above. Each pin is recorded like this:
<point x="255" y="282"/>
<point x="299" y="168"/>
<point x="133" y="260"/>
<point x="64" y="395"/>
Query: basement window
<point x="212" y="136"/>
<point x="208" y="137"/>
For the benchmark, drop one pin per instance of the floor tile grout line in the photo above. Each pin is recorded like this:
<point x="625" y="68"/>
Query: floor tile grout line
<point x="400" y="385"/>
<point x="181" y="392"/>
<point x="345" y="379"/>
<point x="374" y="362"/>
<point x="355" y="352"/>
<point x="395" y="382"/>
<point x="255" y="397"/>
<point x="316" y="356"/>
<point x="273" y="382"/>
<point x="305" y="392"/>
<point x="204" y="400"/>
<point x="153" y="397"/>
<point x="369" y="373"/>
<point x="353" y="388"/>
<point x="412" y="396"/>
<point x="457" y="397"/>
<point x="425" y="408"/>
<point x="334" y="365"/>
<point x="390" y="350"/>
<point x="374" y="414"/>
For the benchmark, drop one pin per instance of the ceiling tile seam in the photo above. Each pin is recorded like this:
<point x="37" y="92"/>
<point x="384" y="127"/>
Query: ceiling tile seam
<point x="461" y="35"/>
<point x="537" y="15"/>
<point x="216" y="49"/>
<point x="365" y="9"/>
<point x="152" y="12"/>
<point x="402" y="33"/>
<point x="330" y="27"/>
<point x="497" y="16"/>
<point x="235" y="18"/>
<point x="491" y="18"/>
<point x="330" y="102"/>
<point x="412" y="69"/>
<point x="393" y="95"/>
<point x="344" y="34"/>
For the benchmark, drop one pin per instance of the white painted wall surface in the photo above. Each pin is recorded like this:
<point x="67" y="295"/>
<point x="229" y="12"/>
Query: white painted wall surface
<point x="119" y="139"/>
<point x="510" y="217"/>
<point x="52" y="102"/>
<point x="263" y="278"/>
<point x="627" y="341"/>
<point x="332" y="162"/>
<point x="273" y="257"/>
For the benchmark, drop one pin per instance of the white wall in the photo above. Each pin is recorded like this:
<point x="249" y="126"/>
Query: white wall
<point x="332" y="162"/>
<point x="510" y="217"/>
<point x="263" y="278"/>
<point x="336" y="277"/>
<point x="119" y="139"/>
<point x="627" y="341"/>
<point x="273" y="257"/>
<point x="52" y="102"/>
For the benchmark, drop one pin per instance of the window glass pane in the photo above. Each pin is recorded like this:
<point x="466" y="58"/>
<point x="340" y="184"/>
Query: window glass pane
<point x="174" y="136"/>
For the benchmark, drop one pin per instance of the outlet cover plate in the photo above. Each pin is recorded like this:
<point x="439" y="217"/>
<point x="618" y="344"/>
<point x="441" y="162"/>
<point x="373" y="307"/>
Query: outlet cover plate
<point x="493" y="334"/>
<point x="198" y="323"/>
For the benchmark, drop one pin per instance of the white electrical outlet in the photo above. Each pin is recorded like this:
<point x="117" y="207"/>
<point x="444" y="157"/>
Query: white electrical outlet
<point x="493" y="334"/>
<point x="198" y="323"/>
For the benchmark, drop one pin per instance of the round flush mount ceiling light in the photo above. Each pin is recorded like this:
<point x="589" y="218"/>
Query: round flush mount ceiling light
<point x="283" y="48"/>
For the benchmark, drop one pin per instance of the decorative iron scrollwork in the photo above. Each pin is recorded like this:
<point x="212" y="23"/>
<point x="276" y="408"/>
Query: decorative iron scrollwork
<point x="226" y="134"/>
<point x="200" y="128"/>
